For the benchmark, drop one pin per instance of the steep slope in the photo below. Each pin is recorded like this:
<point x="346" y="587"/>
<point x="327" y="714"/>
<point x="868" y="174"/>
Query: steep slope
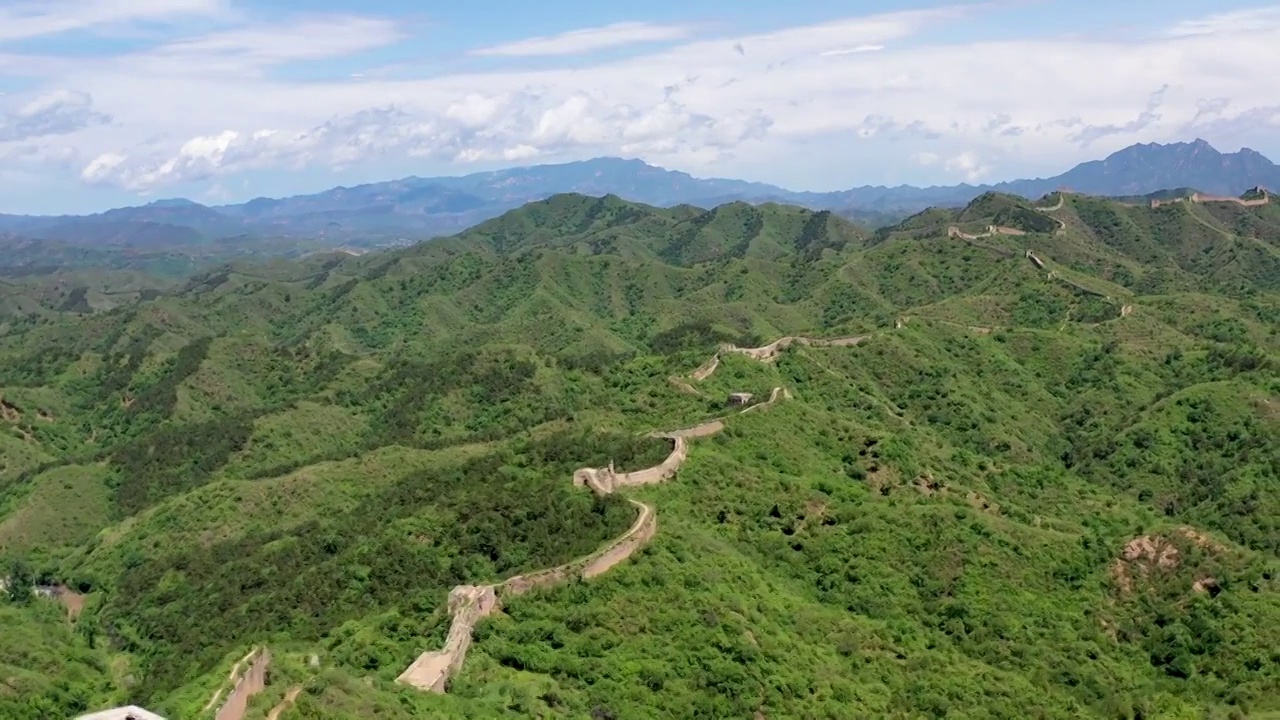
<point x="310" y="456"/>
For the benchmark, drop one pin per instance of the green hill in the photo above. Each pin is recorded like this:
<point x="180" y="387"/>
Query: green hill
<point x="1037" y="484"/>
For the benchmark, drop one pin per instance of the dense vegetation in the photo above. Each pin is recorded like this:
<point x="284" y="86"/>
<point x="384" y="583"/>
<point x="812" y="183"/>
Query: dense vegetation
<point x="1040" y="494"/>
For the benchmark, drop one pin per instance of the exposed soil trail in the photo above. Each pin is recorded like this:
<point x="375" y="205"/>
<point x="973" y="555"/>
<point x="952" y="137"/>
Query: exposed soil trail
<point x="289" y="698"/>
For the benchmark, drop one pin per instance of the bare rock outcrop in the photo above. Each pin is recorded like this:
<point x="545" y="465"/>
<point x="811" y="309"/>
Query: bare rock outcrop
<point x="1146" y="555"/>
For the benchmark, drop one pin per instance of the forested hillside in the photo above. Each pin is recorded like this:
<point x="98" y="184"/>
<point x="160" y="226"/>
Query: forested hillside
<point x="1042" y="484"/>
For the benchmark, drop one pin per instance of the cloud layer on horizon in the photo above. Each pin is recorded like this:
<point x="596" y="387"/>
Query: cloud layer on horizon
<point x="195" y="106"/>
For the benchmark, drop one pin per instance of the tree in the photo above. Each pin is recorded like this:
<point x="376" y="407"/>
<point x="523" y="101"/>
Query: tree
<point x="20" y="582"/>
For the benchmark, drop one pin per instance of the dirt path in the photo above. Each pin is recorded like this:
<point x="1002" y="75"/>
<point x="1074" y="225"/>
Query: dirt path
<point x="284" y="704"/>
<point x="1210" y="226"/>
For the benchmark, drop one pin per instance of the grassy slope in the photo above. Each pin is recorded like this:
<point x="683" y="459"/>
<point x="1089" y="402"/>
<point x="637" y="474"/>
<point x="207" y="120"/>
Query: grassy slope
<point x="345" y="412"/>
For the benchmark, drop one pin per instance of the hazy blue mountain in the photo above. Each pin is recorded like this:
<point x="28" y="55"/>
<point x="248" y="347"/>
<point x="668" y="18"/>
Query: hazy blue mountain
<point x="416" y="208"/>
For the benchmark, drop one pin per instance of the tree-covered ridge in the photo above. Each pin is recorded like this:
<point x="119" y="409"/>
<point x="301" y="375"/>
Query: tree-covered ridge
<point x="310" y="455"/>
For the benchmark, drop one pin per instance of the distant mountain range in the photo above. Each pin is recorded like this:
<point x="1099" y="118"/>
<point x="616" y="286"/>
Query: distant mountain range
<point x="417" y="208"/>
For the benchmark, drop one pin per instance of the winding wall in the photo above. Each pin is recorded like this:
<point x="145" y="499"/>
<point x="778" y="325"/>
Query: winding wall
<point x="1203" y="198"/>
<point x="770" y="352"/>
<point x="249" y="684"/>
<point x="468" y="604"/>
<point x="233" y="678"/>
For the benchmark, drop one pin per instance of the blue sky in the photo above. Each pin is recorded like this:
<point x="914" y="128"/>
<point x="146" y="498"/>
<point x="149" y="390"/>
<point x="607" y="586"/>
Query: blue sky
<point x="105" y="103"/>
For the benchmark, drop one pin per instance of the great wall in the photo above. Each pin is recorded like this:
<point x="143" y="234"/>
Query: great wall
<point x="766" y="353"/>
<point x="243" y="685"/>
<point x="1264" y="198"/>
<point x="993" y="230"/>
<point x="468" y="604"/>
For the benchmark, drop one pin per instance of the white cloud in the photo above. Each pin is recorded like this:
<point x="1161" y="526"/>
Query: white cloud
<point x="772" y="105"/>
<point x="530" y="127"/>
<point x="851" y="51"/>
<point x="311" y="38"/>
<point x="101" y="167"/>
<point x="39" y="155"/>
<point x="49" y="17"/>
<point x="54" y="113"/>
<point x="925" y="158"/>
<point x="1237" y="21"/>
<point x="968" y="165"/>
<point x="575" y="42"/>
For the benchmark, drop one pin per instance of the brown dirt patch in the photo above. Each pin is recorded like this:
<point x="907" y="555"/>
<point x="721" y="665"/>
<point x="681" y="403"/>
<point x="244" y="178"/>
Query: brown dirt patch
<point x="1204" y="584"/>
<point x="928" y="486"/>
<point x="74" y="602"/>
<point x="814" y="510"/>
<point x="1146" y="555"/>
<point x="983" y="504"/>
<point x="882" y="478"/>
<point x="10" y="412"/>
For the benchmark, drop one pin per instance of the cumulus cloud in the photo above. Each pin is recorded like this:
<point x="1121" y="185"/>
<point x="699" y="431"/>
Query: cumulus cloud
<point x="925" y="158"/>
<point x="219" y="103"/>
<point x="469" y="131"/>
<point x="55" y="113"/>
<point x="576" y="42"/>
<point x="968" y="165"/>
